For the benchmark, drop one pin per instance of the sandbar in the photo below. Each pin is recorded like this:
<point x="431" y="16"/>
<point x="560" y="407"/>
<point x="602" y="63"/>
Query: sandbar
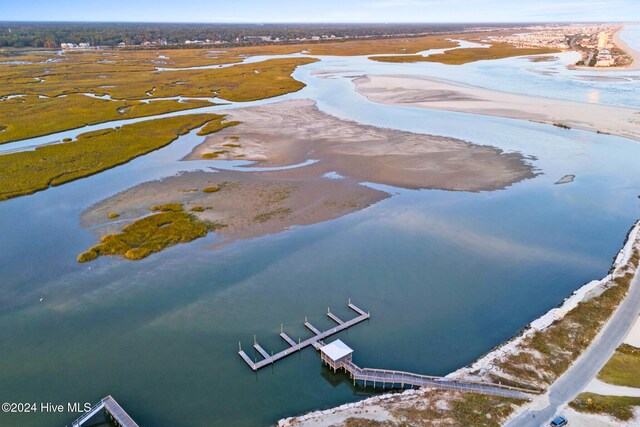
<point x="292" y="132"/>
<point x="439" y="94"/>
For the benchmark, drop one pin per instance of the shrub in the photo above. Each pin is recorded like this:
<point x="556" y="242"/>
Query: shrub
<point x="169" y="207"/>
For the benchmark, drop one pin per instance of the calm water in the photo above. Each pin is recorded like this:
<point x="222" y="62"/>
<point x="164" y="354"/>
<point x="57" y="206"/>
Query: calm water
<point x="446" y="275"/>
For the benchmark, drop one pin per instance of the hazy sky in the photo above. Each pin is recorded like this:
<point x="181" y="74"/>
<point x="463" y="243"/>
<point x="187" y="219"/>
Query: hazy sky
<point x="320" y="10"/>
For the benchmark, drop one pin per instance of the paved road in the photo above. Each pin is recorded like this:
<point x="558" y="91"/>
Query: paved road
<point x="571" y="383"/>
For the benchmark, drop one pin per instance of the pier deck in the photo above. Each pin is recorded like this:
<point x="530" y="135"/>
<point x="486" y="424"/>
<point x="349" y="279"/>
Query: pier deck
<point x="109" y="404"/>
<point x="313" y="341"/>
<point x="335" y="318"/>
<point x="287" y="339"/>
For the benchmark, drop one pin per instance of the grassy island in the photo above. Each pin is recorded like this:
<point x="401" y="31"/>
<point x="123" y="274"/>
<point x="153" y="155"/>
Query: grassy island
<point x="151" y="234"/>
<point x="29" y="171"/>
<point x="32" y="116"/>
<point x="466" y="55"/>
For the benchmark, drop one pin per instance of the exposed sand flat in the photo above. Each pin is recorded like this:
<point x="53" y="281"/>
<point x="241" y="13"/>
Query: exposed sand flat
<point x="248" y="204"/>
<point x="292" y="132"/>
<point x="252" y="202"/>
<point x="444" y="95"/>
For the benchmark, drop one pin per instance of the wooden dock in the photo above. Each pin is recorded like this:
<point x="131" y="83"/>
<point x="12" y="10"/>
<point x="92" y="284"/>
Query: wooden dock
<point x="113" y="410"/>
<point x="398" y="379"/>
<point x="315" y="341"/>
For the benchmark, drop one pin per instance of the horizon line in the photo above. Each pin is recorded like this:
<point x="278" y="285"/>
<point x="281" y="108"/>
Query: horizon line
<point x="318" y="22"/>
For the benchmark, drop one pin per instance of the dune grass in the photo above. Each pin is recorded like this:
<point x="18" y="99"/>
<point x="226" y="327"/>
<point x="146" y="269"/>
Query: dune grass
<point x="26" y="172"/>
<point x="466" y="55"/>
<point x="151" y="234"/>
<point x="464" y="409"/>
<point x="623" y="368"/>
<point x="619" y="407"/>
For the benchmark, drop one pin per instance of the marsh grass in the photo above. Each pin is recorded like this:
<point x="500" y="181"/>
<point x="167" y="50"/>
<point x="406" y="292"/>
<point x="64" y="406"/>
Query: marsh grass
<point x="151" y="234"/>
<point x="619" y="407"/>
<point x="217" y="125"/>
<point x="37" y="117"/>
<point x="466" y="55"/>
<point x="29" y="171"/>
<point x="168" y="207"/>
<point x="276" y="213"/>
<point x="131" y="78"/>
<point x="211" y="189"/>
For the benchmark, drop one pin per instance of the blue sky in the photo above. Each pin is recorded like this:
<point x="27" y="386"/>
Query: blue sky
<point x="321" y="10"/>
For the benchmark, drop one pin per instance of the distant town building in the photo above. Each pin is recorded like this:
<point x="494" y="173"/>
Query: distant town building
<point x="604" y="58"/>
<point x="603" y="39"/>
<point x="70" y="46"/>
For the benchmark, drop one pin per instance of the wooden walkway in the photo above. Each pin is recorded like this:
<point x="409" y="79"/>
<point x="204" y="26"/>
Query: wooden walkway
<point x="315" y="341"/>
<point x="112" y="408"/>
<point x="398" y="379"/>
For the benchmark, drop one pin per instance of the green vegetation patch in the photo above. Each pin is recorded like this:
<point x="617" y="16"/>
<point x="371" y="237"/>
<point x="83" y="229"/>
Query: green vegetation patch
<point x="623" y="368"/>
<point x="37" y="117"/>
<point x="466" y="55"/>
<point x="211" y="189"/>
<point x="113" y="215"/>
<point x="149" y="235"/>
<point x="465" y="409"/>
<point x="482" y="410"/>
<point x="276" y="213"/>
<point x="216" y="125"/>
<point x="619" y="407"/>
<point x="131" y="77"/>
<point x="30" y="171"/>
<point x="169" y="207"/>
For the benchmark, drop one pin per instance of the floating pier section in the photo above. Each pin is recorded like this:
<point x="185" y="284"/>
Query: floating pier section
<point x="315" y="341"/>
<point x="113" y="410"/>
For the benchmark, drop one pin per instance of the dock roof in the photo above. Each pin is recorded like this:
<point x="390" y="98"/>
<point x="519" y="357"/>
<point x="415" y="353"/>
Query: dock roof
<point x="336" y="350"/>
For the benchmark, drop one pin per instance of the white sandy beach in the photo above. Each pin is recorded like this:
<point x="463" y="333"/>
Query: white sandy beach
<point x="617" y="40"/>
<point x="437" y="94"/>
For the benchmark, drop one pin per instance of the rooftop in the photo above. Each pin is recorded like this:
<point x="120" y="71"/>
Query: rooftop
<point x="336" y="350"/>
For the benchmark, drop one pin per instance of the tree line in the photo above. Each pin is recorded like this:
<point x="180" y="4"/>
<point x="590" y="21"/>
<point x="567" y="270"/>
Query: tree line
<point x="51" y="35"/>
